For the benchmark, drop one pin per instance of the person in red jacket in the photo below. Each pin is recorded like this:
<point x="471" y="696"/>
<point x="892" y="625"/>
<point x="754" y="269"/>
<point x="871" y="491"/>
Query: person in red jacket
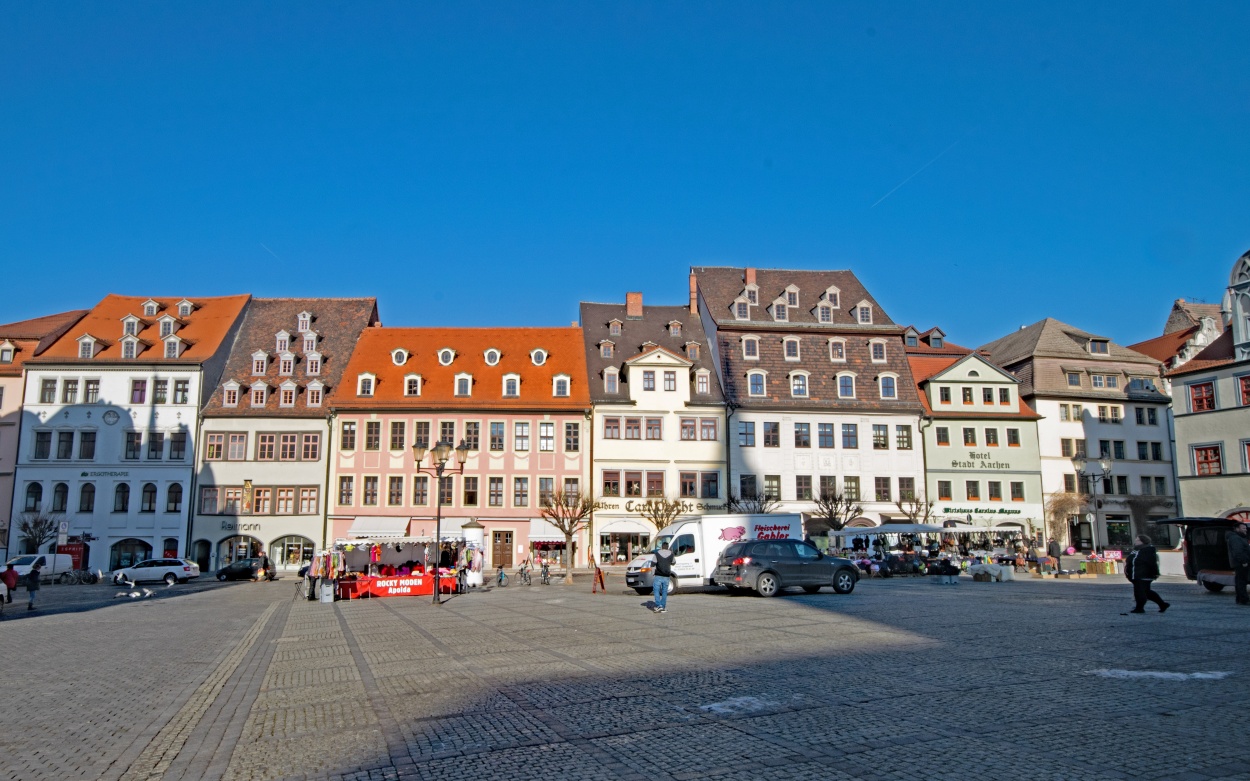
<point x="9" y="579"/>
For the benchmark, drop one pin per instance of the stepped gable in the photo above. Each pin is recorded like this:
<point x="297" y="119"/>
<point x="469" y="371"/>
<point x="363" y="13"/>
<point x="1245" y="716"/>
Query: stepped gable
<point x="391" y="356"/>
<point x="653" y="326"/>
<point x="333" y="324"/>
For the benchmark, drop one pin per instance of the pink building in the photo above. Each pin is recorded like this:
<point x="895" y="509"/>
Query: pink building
<point x="518" y="398"/>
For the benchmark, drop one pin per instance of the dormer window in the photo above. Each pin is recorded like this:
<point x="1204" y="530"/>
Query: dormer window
<point x="831" y="296"/>
<point x="791" y="349"/>
<point x="837" y="350"/>
<point x="877" y="349"/>
<point x="824" y="313"/>
<point x="399" y="356"/>
<point x="150" y="308"/>
<point x="912" y="340"/>
<point x="798" y="385"/>
<point x="173" y="347"/>
<point x="303" y="322"/>
<point x="610" y="380"/>
<point x="185" y="308"/>
<point x="86" y="348"/>
<point x="6" y="352"/>
<point x="511" y="385"/>
<point x="792" y="295"/>
<point x="936" y="342"/>
<point x="364" y="385"/>
<point x="230" y="394"/>
<point x="286" y="394"/>
<point x="412" y="384"/>
<point x="674" y="328"/>
<point x="259" y="392"/>
<point x="316" y="391"/>
<point x="888" y="386"/>
<point x="752" y="294"/>
<point x="539" y="356"/>
<point x="703" y="382"/>
<point x="310" y="342"/>
<point x="750" y="348"/>
<point x="312" y="364"/>
<point x="260" y="362"/>
<point x="286" y="364"/>
<point x="464" y="384"/>
<point x="282" y="342"/>
<point x="1099" y="347"/>
<point x="446" y="356"/>
<point x="742" y="311"/>
<point x="614" y="327"/>
<point x="780" y="311"/>
<point x="130" y="347"/>
<point x="560" y="386"/>
<point x="692" y="351"/>
<point x="606" y="349"/>
<point x="130" y="326"/>
<point x="863" y="313"/>
<point x="492" y="357"/>
<point x="168" y="326"/>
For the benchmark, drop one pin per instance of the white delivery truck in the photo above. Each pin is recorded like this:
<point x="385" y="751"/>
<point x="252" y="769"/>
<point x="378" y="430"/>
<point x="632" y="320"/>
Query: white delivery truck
<point x="697" y="543"/>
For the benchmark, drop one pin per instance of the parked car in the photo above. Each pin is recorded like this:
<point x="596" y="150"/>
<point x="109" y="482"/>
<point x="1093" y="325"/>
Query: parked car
<point x="770" y="566"/>
<point x="243" y="569"/>
<point x="169" y="570"/>
<point x="1205" y="550"/>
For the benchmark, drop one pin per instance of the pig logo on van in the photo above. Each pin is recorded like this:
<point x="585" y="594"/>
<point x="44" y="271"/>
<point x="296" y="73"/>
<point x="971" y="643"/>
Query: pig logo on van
<point x="733" y="533"/>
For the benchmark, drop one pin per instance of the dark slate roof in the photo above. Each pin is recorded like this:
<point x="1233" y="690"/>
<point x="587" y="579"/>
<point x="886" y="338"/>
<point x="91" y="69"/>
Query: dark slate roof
<point x="720" y="285"/>
<point x="653" y="327"/>
<point x="1051" y="338"/>
<point x="338" y="323"/>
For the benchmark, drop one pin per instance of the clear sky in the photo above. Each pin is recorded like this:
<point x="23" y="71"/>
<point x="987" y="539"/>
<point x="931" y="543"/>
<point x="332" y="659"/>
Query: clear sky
<point x="980" y="166"/>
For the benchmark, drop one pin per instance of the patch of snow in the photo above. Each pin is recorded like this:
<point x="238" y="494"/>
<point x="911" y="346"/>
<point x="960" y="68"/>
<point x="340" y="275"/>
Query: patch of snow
<point x="1163" y="676"/>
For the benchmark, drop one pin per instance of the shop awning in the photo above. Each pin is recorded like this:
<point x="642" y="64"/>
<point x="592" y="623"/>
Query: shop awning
<point x="888" y="528"/>
<point x="378" y="526"/>
<point x="543" y="530"/>
<point x="449" y="528"/>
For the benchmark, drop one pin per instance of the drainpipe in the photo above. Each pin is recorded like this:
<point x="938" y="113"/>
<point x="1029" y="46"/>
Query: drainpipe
<point x="325" y="502"/>
<point x="730" y="409"/>
<point x="195" y="473"/>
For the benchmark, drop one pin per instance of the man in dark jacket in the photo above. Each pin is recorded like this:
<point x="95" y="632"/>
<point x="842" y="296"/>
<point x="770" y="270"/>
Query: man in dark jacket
<point x="663" y="571"/>
<point x="1054" y="550"/>
<point x="1239" y="560"/>
<point x="1142" y="568"/>
<point x="32" y="585"/>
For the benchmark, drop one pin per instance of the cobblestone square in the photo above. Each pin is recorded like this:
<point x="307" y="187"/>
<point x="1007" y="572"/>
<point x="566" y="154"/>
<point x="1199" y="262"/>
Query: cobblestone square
<point x="901" y="679"/>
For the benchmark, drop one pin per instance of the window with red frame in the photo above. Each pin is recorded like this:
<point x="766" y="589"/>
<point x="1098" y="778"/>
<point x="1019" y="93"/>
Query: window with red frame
<point x="1245" y="391"/>
<point x="1207" y="460"/>
<point x="1202" y="397"/>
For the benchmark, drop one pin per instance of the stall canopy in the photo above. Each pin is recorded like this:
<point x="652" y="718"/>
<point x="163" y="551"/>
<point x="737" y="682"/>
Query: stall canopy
<point x="378" y="526"/>
<point x="966" y="529"/>
<point x="889" y="528"/>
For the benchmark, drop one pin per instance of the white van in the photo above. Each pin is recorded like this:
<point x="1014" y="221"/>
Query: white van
<point x="53" y="564"/>
<point x="697" y="543"/>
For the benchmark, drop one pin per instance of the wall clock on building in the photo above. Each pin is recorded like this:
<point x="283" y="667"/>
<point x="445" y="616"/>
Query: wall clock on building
<point x="111" y="417"/>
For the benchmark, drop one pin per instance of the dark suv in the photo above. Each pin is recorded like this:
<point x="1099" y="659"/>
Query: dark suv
<point x="768" y="566"/>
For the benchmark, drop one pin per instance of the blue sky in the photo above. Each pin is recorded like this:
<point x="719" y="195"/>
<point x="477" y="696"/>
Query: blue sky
<point x="495" y="163"/>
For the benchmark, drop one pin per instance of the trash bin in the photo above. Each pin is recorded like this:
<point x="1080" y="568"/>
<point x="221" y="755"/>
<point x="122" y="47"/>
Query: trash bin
<point x="327" y="591"/>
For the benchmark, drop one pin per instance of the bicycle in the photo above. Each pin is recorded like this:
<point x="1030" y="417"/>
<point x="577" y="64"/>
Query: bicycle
<point x="524" y="575"/>
<point x="87" y="576"/>
<point x="501" y="579"/>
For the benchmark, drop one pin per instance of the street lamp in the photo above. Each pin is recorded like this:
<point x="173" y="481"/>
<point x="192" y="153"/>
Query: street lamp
<point x="439" y="456"/>
<point x="1097" y="470"/>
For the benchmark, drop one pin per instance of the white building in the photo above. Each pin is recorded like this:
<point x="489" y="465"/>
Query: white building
<point x="111" y="411"/>
<point x="658" y="419"/>
<point x="262" y="464"/>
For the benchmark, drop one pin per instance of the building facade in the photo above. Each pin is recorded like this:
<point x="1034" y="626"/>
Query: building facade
<point x="1211" y="407"/>
<point x="18" y="343"/>
<point x="111" y="415"/>
<point x="982" y="457"/>
<point x="818" y="386"/>
<point x="1096" y="398"/>
<point x="658" y="420"/>
<point x="516" y="397"/>
<point x="262" y="464"/>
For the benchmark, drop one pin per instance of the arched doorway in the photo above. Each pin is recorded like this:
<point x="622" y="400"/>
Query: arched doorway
<point x="291" y="552"/>
<point x="201" y="552"/>
<point x="128" y="552"/>
<point x="238" y="547"/>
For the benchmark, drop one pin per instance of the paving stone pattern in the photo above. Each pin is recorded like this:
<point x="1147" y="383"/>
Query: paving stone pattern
<point x="903" y="679"/>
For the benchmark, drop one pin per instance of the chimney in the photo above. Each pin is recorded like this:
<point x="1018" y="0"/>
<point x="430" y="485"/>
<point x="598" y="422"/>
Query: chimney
<point x="633" y="306"/>
<point x="750" y="276"/>
<point x="694" y="295"/>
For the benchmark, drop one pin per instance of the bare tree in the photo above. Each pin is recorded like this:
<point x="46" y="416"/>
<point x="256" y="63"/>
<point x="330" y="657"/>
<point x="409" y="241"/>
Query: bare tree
<point x="756" y="504"/>
<point x="661" y="512"/>
<point x="833" y="511"/>
<point x="570" y="513"/>
<point x="37" y="529"/>
<point x="916" y="508"/>
<point x="1059" y="508"/>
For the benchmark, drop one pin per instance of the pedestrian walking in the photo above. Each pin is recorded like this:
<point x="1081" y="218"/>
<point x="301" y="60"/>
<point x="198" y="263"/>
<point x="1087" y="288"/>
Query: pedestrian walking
<point x="1239" y="560"/>
<point x="1142" y="568"/>
<point x="32" y="584"/>
<point x="1054" y="550"/>
<point x="9" y="578"/>
<point x="663" y="571"/>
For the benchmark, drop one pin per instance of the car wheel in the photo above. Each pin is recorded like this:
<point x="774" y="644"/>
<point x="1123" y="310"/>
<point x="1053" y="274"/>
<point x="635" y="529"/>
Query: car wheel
<point x="672" y="585"/>
<point x="221" y="576"/>
<point x="170" y="578"/>
<point x="117" y="581"/>
<point x="1214" y="588"/>
<point x="767" y="585"/>
<point x="843" y="581"/>
<point x="811" y="589"/>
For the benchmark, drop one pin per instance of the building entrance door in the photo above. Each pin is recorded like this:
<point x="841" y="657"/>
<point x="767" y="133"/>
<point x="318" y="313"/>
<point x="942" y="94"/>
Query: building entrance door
<point x="501" y="549"/>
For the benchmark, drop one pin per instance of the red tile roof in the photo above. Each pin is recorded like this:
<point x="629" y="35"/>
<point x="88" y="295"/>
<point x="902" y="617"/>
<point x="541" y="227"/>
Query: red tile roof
<point x="924" y="368"/>
<point x="30" y="338"/>
<point x="203" y="331"/>
<point x="373" y="355"/>
<point x="1216" y="354"/>
<point x="1165" y="348"/>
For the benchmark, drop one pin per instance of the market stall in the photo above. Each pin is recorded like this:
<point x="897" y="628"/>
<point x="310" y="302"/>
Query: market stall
<point x="396" y="567"/>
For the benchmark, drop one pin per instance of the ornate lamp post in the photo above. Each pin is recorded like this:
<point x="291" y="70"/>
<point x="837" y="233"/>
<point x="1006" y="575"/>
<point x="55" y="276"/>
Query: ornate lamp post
<point x="439" y="455"/>
<point x="1096" y="470"/>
